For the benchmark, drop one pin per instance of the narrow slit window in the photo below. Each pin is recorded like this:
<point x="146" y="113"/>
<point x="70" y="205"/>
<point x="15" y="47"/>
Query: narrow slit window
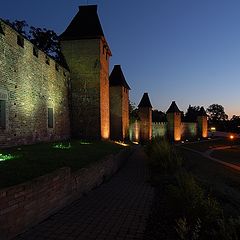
<point x="2" y="114"/>
<point x="1" y="29"/>
<point x="50" y="117"/>
<point x="57" y="67"/>
<point x="20" y="41"/>
<point x="35" y="51"/>
<point x="47" y="60"/>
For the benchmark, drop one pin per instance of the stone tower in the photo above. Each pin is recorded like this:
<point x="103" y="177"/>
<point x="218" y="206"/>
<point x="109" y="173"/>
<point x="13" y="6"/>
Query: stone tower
<point x="174" y="122"/>
<point x="145" y="115"/>
<point x="202" y="123"/>
<point x="87" y="54"/>
<point x="119" y="104"/>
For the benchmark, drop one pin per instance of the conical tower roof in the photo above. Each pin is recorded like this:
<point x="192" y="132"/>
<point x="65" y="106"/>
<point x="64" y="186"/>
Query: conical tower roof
<point x="173" y="108"/>
<point x="202" y="112"/>
<point x="85" y="24"/>
<point x="145" y="101"/>
<point x="117" y="78"/>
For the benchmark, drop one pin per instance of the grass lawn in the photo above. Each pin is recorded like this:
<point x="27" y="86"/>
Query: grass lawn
<point x="36" y="160"/>
<point x="203" y="146"/>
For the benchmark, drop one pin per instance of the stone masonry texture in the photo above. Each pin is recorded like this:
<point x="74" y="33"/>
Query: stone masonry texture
<point x="119" y="112"/>
<point x="27" y="204"/>
<point x="31" y="86"/>
<point x="145" y="115"/>
<point x="90" y="87"/>
<point x="118" y="209"/>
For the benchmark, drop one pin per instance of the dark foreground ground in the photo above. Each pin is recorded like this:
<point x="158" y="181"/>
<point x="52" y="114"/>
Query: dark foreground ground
<point x="219" y="181"/>
<point x="118" y="209"/>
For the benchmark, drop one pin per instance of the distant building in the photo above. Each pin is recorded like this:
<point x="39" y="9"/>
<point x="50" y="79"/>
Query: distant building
<point x="172" y="128"/>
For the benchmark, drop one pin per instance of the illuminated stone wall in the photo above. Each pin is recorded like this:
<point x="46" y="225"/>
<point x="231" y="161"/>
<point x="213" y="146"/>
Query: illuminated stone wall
<point x="134" y="131"/>
<point x="145" y="115"/>
<point x="202" y="126"/>
<point x="189" y="130"/>
<point x="119" y="112"/>
<point x="159" y="129"/>
<point x="174" y="126"/>
<point x="31" y="86"/>
<point x="88" y="64"/>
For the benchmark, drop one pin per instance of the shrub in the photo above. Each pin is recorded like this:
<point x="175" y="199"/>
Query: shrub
<point x="163" y="157"/>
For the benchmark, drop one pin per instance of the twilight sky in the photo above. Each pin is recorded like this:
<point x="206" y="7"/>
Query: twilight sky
<point x="182" y="50"/>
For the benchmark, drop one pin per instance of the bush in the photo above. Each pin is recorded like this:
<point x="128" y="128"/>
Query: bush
<point x="199" y="216"/>
<point x="163" y="157"/>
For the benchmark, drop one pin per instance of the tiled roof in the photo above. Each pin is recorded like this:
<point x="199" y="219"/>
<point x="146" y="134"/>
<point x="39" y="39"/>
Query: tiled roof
<point x="85" y="24"/>
<point x="117" y="77"/>
<point x="145" y="101"/>
<point x="173" y="108"/>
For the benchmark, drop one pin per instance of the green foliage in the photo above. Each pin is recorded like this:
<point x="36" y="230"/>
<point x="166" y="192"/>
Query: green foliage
<point x="199" y="216"/>
<point x="163" y="156"/>
<point x="39" y="159"/>
<point x="5" y="157"/>
<point x="184" y="232"/>
<point x="62" y="145"/>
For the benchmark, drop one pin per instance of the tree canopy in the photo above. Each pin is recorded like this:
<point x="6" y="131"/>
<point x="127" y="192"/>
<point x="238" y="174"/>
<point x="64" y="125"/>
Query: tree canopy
<point x="44" y="39"/>
<point x="192" y="113"/>
<point x="216" y="113"/>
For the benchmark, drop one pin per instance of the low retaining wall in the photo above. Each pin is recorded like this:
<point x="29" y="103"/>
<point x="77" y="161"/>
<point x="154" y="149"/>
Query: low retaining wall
<point x="25" y="205"/>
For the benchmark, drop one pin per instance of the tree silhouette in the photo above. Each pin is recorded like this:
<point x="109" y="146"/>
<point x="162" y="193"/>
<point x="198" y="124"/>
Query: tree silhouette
<point x="192" y="113"/>
<point x="216" y="113"/>
<point x="44" y="39"/>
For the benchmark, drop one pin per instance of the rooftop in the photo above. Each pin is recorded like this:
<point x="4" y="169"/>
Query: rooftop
<point x="202" y="112"/>
<point x="173" y="108"/>
<point x="145" y="101"/>
<point x="85" y="24"/>
<point x="117" y="78"/>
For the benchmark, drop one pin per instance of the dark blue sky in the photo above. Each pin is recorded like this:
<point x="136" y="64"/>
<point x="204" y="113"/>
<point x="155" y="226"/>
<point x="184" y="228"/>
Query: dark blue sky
<point x="182" y="50"/>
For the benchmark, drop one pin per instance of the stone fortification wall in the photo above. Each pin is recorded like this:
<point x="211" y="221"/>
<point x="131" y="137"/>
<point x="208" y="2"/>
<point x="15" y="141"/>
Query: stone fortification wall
<point x="33" y="93"/>
<point x="24" y="205"/>
<point x="189" y="130"/>
<point x="159" y="129"/>
<point x="119" y="108"/>
<point x="134" y="131"/>
<point x="88" y="62"/>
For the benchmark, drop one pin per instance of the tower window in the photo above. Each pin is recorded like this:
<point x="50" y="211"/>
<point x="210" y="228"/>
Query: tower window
<point x="2" y="114"/>
<point x="35" y="51"/>
<point x="50" y="117"/>
<point x="20" y="41"/>
<point x="57" y="67"/>
<point x="1" y="29"/>
<point x="47" y="60"/>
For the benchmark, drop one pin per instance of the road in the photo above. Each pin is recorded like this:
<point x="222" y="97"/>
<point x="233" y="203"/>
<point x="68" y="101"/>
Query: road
<point x="220" y="179"/>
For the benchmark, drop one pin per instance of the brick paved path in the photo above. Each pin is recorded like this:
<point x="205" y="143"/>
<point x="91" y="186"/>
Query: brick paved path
<point x="117" y="209"/>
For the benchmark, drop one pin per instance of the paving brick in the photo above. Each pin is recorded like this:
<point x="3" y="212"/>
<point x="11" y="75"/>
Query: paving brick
<point x="118" y="209"/>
